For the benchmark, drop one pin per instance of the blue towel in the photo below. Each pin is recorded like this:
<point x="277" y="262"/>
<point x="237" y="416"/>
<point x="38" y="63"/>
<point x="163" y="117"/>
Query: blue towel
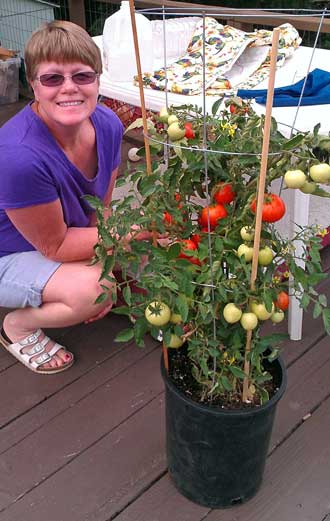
<point x="316" y="92"/>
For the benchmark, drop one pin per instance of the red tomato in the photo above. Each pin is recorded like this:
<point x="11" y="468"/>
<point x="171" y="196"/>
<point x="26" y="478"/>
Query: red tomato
<point x="232" y="108"/>
<point x="196" y="238"/>
<point x="190" y="134"/>
<point x="216" y="213"/>
<point x="167" y="219"/>
<point x="282" y="301"/>
<point x="224" y="193"/>
<point x="188" y="244"/>
<point x="273" y="208"/>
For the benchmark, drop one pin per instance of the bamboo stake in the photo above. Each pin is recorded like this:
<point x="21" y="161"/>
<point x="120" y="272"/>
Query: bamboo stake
<point x="145" y="126"/>
<point x="139" y="74"/>
<point x="260" y="196"/>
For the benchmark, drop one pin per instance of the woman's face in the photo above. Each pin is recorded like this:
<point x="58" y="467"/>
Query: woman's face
<point x="68" y="104"/>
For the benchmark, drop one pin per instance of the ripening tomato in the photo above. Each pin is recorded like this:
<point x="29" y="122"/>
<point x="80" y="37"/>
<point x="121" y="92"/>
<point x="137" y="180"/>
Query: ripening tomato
<point x="215" y="212"/>
<point x="282" y="301"/>
<point x="190" y="134"/>
<point x="167" y="218"/>
<point x="223" y="193"/>
<point x="188" y="244"/>
<point x="273" y="208"/>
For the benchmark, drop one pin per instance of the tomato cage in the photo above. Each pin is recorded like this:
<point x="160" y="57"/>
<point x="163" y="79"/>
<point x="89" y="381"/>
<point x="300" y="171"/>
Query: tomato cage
<point x="220" y="156"/>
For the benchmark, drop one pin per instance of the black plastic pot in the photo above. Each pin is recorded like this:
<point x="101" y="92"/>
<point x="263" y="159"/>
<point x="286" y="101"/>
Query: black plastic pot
<point x="216" y="457"/>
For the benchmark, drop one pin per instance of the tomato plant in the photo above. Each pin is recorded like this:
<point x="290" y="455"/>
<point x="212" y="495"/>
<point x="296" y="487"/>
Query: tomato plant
<point x="273" y="208"/>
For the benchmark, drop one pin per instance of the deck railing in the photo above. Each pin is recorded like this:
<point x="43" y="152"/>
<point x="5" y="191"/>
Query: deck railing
<point x="229" y="15"/>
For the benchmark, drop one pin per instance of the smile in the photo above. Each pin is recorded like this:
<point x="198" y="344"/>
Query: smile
<point x="69" y="103"/>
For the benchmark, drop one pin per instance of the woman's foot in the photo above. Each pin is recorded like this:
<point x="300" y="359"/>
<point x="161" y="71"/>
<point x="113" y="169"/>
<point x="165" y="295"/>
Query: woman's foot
<point x="41" y="353"/>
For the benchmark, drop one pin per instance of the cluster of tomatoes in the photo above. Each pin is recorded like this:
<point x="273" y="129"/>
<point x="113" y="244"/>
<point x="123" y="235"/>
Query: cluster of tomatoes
<point x="257" y="311"/>
<point x="176" y="130"/>
<point x="319" y="173"/>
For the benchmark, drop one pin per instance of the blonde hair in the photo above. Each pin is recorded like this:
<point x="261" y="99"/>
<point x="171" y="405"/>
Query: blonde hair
<point x="61" y="42"/>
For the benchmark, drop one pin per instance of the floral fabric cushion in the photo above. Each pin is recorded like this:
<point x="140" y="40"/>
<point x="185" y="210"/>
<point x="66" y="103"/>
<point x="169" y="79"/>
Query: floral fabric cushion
<point x="233" y="58"/>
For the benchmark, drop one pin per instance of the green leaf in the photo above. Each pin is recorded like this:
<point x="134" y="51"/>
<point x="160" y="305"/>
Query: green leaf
<point x="317" y="310"/>
<point x="125" y="335"/>
<point x="236" y="371"/>
<point x="326" y="320"/>
<point x="225" y="382"/>
<point x="320" y="192"/>
<point x="216" y="106"/>
<point x="127" y="294"/>
<point x="323" y="300"/>
<point x="101" y="298"/>
<point x="293" y="142"/>
<point x="182" y="305"/>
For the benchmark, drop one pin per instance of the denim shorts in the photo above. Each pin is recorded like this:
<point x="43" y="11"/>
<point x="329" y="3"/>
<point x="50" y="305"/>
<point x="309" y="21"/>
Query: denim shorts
<point x="23" y="277"/>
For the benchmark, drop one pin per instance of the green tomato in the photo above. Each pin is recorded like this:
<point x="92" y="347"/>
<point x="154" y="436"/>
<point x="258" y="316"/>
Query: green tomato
<point x="259" y="309"/>
<point x="231" y="313"/>
<point x="176" y="318"/>
<point x="277" y="316"/>
<point x="246" y="251"/>
<point x="320" y="173"/>
<point x="308" y="187"/>
<point x="247" y="233"/>
<point x="163" y="115"/>
<point x="175" y="342"/>
<point x="175" y="132"/>
<point x="294" y="178"/>
<point x="157" y="313"/>
<point x="249" y="321"/>
<point x="265" y="256"/>
<point x="172" y="119"/>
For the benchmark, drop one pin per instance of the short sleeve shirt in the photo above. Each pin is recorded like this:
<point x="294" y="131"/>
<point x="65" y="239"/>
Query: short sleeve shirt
<point x="35" y="170"/>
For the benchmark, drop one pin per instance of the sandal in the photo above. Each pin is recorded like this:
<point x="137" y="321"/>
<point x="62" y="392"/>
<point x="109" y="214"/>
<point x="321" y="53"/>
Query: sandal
<point x="37" y="348"/>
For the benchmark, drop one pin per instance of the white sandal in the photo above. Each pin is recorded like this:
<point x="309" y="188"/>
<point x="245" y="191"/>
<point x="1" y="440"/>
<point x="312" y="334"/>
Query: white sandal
<point x="37" y="348"/>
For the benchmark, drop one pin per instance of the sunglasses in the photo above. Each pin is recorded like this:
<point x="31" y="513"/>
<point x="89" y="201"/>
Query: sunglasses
<point x="79" y="78"/>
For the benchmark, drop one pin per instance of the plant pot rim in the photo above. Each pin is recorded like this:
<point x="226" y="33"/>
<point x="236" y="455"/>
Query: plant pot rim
<point x="215" y="411"/>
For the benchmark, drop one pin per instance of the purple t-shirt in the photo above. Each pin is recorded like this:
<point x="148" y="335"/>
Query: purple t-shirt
<point x="35" y="170"/>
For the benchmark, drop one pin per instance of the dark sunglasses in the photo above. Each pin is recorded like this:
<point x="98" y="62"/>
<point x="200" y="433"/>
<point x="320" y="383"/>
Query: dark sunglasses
<point x="79" y="78"/>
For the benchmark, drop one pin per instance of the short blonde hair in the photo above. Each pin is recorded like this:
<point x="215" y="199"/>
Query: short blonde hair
<point x="61" y="42"/>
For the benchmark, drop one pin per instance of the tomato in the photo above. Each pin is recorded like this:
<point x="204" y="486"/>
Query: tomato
<point x="223" y="193"/>
<point x="175" y="342"/>
<point x="232" y="108"/>
<point x="163" y="115"/>
<point x="172" y="119"/>
<point x="246" y="251"/>
<point x="265" y="256"/>
<point x="282" y="301"/>
<point x="176" y="318"/>
<point x="175" y="131"/>
<point x="294" y="178"/>
<point x="259" y="309"/>
<point x="216" y="213"/>
<point x="196" y="238"/>
<point x="189" y="132"/>
<point x="157" y="313"/>
<point x="273" y="208"/>
<point x="308" y="187"/>
<point x="249" y="321"/>
<point x="188" y="244"/>
<point x="320" y="173"/>
<point x="167" y="218"/>
<point x="231" y="313"/>
<point x="247" y="233"/>
<point x="277" y="316"/>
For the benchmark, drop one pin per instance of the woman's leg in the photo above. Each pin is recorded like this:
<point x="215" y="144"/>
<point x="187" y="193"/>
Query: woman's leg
<point x="68" y="298"/>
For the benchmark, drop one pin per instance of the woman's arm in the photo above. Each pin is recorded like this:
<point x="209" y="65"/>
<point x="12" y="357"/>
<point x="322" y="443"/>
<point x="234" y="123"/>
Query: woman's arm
<point x="43" y="226"/>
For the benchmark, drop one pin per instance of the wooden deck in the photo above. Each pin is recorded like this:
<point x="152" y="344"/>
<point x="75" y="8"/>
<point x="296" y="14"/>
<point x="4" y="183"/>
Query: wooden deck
<point x="89" y="444"/>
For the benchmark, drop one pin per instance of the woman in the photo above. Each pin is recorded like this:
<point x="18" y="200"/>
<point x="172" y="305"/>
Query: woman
<point x="57" y="149"/>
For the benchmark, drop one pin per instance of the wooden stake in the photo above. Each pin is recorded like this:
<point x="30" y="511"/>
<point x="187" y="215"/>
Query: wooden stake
<point x="260" y="195"/>
<point x="145" y="127"/>
<point x="139" y="74"/>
